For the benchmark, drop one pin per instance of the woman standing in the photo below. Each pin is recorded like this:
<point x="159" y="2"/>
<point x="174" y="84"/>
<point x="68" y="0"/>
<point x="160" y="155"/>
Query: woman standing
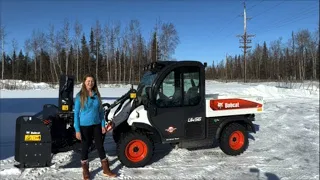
<point x="89" y="124"/>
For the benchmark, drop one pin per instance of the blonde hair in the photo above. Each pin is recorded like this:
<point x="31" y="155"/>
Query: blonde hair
<point x="84" y="93"/>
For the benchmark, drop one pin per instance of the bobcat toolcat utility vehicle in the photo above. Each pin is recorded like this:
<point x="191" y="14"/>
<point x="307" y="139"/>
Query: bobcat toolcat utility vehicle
<point x="169" y="106"/>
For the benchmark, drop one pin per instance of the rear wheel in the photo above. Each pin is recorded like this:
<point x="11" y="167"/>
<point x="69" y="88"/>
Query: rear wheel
<point x="234" y="139"/>
<point x="135" y="149"/>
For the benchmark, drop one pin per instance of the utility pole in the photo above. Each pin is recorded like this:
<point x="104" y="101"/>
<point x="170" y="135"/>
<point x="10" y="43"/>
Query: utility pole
<point x="245" y="40"/>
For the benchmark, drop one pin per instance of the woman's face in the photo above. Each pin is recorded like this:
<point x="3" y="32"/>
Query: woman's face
<point x="89" y="83"/>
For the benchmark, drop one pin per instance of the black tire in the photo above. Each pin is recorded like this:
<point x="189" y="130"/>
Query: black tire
<point x="139" y="142"/>
<point x="238" y="137"/>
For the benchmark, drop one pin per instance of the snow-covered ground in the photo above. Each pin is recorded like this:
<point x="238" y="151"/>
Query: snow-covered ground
<point x="286" y="145"/>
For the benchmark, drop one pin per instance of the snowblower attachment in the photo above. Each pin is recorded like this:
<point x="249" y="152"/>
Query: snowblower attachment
<point x="49" y="131"/>
<point x="32" y="142"/>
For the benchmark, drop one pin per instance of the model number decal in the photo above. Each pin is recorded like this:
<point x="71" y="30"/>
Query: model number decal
<point x="195" y="119"/>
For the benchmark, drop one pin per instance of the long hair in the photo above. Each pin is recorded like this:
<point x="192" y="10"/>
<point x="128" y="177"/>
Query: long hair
<point x="84" y="93"/>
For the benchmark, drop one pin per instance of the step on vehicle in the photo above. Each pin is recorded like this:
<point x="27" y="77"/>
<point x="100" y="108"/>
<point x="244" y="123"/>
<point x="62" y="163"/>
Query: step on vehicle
<point x="170" y="106"/>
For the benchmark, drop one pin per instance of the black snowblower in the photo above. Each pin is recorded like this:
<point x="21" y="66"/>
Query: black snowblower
<point x="47" y="132"/>
<point x="51" y="131"/>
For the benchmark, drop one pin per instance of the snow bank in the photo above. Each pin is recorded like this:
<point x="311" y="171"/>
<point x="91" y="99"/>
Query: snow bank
<point x="27" y="89"/>
<point x="267" y="89"/>
<point x="19" y="84"/>
<point x="276" y="92"/>
<point x="9" y="84"/>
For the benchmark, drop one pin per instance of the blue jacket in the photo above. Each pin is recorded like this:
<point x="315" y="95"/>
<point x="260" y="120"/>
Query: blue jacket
<point x="91" y="114"/>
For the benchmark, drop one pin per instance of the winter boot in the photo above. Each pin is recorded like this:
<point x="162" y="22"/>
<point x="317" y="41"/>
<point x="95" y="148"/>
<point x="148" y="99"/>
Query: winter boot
<point x="85" y="170"/>
<point x="106" y="169"/>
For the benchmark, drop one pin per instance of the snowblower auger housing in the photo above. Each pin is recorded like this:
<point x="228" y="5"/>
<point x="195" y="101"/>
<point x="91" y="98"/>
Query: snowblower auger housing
<point x="172" y="107"/>
<point x="49" y="131"/>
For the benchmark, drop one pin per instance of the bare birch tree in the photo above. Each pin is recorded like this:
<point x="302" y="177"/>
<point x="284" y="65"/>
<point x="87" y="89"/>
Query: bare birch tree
<point x="78" y="31"/>
<point x="169" y="40"/>
<point x="14" y="56"/>
<point x="52" y="42"/>
<point x="115" y="35"/>
<point x="134" y="28"/>
<point x="58" y="47"/>
<point x="98" y="38"/>
<point x="107" y="40"/>
<point x="125" y="51"/>
<point x="66" y="41"/>
<point x="27" y="48"/>
<point x="43" y="46"/>
<point x="35" y="49"/>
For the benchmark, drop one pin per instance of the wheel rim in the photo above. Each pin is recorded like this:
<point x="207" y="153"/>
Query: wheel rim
<point x="236" y="140"/>
<point x="136" y="150"/>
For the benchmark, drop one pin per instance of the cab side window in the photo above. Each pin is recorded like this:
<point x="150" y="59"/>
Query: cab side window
<point x="169" y="93"/>
<point x="191" y="81"/>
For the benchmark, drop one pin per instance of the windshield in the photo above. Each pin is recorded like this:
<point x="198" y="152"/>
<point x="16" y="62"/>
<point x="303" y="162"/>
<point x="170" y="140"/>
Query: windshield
<point x="146" y="81"/>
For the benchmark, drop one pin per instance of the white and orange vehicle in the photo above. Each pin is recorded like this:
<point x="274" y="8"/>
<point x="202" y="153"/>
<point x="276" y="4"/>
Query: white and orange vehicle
<point x="170" y="106"/>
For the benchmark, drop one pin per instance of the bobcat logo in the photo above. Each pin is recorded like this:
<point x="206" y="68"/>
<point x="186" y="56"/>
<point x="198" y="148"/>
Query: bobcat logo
<point x="171" y="129"/>
<point x="220" y="105"/>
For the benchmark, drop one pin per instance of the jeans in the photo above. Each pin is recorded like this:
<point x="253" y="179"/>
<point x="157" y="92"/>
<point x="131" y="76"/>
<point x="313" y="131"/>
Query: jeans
<point x="88" y="133"/>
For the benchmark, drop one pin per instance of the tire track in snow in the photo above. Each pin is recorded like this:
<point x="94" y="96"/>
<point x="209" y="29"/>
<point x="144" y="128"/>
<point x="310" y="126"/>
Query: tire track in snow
<point x="284" y="134"/>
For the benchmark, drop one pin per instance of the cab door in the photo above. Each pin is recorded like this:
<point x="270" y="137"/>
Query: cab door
<point x="178" y="108"/>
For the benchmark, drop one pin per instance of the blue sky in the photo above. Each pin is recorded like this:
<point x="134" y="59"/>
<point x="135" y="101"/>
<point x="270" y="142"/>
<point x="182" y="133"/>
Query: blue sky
<point x="207" y="28"/>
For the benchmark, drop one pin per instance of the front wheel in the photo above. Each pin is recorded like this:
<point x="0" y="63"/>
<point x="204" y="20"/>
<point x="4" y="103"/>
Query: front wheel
<point x="234" y="139"/>
<point x="135" y="149"/>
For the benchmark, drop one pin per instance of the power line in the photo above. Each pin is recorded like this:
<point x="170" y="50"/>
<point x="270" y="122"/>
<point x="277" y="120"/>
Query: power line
<point x="305" y="12"/>
<point x="268" y="9"/>
<point x="255" y="5"/>
<point x="229" y="22"/>
<point x="285" y="21"/>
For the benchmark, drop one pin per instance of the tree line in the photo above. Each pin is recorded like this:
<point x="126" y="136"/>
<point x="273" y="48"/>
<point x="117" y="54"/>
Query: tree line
<point x="297" y="59"/>
<point x="113" y="53"/>
<point x="116" y="54"/>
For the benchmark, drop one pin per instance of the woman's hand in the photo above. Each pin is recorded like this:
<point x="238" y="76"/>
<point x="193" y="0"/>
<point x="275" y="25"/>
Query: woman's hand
<point x="109" y="126"/>
<point x="103" y="130"/>
<point x="78" y="135"/>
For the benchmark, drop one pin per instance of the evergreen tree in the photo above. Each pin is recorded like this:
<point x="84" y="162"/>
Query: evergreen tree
<point x="155" y="52"/>
<point x="92" y="43"/>
<point x="21" y="66"/>
<point x="264" y="62"/>
<point x="14" y="58"/>
<point x="85" y="58"/>
<point x="318" y="62"/>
